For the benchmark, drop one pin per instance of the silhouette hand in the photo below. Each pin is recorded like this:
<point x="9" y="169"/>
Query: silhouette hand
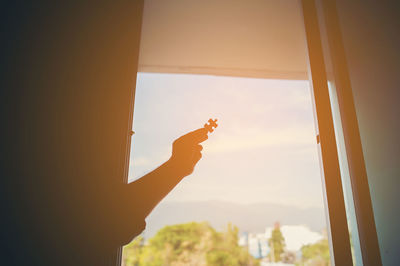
<point x="186" y="151"/>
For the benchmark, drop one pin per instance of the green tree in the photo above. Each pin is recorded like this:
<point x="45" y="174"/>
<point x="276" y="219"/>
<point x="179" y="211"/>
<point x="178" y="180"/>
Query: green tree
<point x="226" y="251"/>
<point x="132" y="252"/>
<point x="316" y="254"/>
<point x="276" y="243"/>
<point x="190" y="244"/>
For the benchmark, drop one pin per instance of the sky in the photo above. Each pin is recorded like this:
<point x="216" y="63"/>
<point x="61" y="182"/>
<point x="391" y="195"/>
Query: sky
<point x="264" y="149"/>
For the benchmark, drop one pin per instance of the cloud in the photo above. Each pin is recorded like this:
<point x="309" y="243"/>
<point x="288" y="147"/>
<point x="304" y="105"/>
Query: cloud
<point x="256" y="138"/>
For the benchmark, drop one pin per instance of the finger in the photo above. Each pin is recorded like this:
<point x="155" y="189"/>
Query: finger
<point x="197" y="136"/>
<point x="197" y="156"/>
<point x="198" y="147"/>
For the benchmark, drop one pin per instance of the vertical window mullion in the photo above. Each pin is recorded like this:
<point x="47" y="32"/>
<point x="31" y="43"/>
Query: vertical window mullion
<point x="333" y="189"/>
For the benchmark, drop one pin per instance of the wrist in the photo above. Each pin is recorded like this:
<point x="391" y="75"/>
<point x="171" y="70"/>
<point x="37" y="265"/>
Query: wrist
<point x="176" y="168"/>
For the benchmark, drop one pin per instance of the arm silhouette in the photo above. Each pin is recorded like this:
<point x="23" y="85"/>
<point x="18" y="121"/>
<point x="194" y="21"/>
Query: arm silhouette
<point x="145" y="193"/>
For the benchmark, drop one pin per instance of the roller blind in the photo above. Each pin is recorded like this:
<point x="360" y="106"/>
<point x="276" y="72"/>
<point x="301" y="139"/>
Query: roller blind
<point x="253" y="38"/>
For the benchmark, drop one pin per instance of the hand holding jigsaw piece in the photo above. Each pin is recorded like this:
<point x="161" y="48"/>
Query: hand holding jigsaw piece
<point x="186" y="150"/>
<point x="201" y="134"/>
<point x="153" y="187"/>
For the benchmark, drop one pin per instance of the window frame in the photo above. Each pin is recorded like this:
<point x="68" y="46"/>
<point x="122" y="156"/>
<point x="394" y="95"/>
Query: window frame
<point x="320" y="59"/>
<point x="339" y="238"/>
<point x="322" y="23"/>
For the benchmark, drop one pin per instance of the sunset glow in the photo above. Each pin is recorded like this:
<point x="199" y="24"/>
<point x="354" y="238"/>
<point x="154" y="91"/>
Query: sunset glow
<point x="264" y="149"/>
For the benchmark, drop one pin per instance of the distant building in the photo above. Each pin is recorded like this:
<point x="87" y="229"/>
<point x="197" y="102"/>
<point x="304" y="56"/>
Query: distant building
<point x="257" y="244"/>
<point x="295" y="237"/>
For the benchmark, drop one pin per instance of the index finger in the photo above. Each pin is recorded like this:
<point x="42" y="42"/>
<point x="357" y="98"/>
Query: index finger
<point x="198" y="135"/>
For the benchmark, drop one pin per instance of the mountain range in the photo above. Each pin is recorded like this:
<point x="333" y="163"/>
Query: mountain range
<point x="251" y="218"/>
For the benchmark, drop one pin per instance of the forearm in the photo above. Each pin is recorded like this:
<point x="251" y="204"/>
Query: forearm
<point x="146" y="192"/>
<point x="150" y="189"/>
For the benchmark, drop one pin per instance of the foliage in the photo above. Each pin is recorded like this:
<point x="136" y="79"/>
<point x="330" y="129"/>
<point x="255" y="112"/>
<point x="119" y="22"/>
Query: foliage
<point x="132" y="251"/>
<point x="288" y="257"/>
<point x="277" y="244"/>
<point x="316" y="254"/>
<point x="189" y="244"/>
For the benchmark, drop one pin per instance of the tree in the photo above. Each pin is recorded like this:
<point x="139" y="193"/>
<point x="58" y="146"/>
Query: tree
<point x="316" y="254"/>
<point x="288" y="257"/>
<point x="132" y="252"/>
<point x="226" y="251"/>
<point x="276" y="243"/>
<point x="191" y="244"/>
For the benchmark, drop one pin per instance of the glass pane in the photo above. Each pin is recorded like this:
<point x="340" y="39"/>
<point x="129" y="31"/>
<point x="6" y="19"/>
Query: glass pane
<point x="255" y="198"/>
<point x="346" y="182"/>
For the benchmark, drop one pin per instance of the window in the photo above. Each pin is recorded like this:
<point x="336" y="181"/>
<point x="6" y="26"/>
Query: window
<point x="264" y="39"/>
<point x="259" y="169"/>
